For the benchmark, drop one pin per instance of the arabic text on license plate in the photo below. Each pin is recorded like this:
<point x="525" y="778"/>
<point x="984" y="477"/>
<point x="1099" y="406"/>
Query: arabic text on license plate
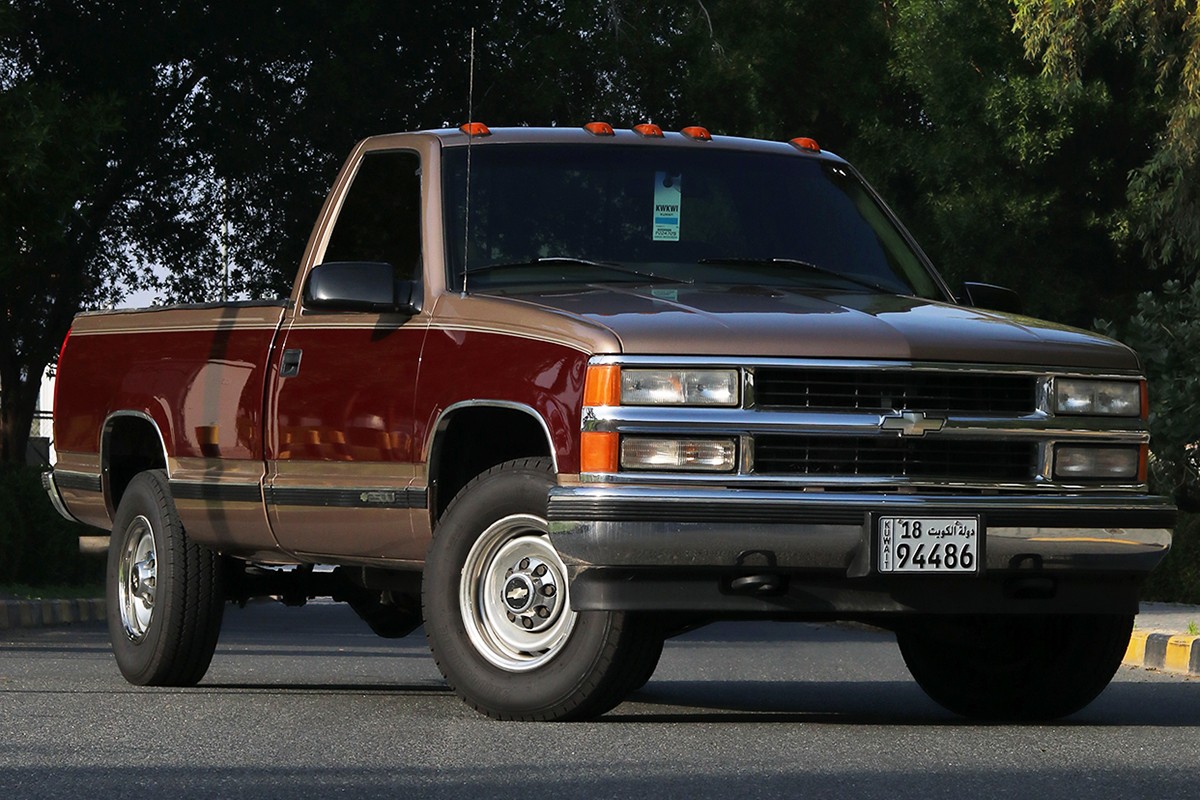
<point x="929" y="544"/>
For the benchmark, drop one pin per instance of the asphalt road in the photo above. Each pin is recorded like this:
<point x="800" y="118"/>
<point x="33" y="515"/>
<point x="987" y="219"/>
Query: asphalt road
<point x="307" y="703"/>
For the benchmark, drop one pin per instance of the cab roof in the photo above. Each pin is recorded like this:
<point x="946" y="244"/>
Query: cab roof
<point x="458" y="137"/>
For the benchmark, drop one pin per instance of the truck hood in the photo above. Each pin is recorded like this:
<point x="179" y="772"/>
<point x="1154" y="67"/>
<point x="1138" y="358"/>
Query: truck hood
<point x="770" y="321"/>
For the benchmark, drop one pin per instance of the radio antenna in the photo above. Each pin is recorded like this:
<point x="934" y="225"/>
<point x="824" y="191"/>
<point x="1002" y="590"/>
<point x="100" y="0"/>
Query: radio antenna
<point x="470" y="139"/>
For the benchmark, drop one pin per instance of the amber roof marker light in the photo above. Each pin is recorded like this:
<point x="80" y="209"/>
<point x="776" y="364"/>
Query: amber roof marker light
<point x="599" y="129"/>
<point x="698" y="133"/>
<point x="805" y="143"/>
<point x="648" y="130"/>
<point x="475" y="129"/>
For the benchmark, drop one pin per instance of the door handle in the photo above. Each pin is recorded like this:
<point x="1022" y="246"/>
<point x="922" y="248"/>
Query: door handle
<point x="289" y="366"/>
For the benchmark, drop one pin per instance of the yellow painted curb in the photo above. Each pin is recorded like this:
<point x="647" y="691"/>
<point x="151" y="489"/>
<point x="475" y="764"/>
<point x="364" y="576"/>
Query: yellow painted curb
<point x="1163" y="651"/>
<point x="43" y="613"/>
<point x="1135" y="654"/>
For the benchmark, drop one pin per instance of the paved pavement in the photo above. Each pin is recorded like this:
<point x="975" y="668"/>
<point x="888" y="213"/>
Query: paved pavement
<point x="1165" y="635"/>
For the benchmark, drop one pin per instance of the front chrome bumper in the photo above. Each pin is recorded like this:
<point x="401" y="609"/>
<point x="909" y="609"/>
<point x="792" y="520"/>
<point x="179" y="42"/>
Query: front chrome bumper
<point x="618" y="540"/>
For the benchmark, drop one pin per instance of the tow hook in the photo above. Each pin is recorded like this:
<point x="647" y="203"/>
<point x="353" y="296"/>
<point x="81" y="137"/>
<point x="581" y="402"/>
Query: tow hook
<point x="765" y="584"/>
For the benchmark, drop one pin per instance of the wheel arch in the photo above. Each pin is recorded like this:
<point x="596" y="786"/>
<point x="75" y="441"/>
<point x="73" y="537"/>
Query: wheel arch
<point x="130" y="442"/>
<point x="469" y="429"/>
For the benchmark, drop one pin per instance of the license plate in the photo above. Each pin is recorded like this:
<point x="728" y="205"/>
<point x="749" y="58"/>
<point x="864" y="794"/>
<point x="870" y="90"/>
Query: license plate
<point x="929" y="544"/>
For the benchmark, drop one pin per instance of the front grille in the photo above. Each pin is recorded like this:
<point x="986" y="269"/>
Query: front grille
<point x="895" y="457"/>
<point x="842" y="390"/>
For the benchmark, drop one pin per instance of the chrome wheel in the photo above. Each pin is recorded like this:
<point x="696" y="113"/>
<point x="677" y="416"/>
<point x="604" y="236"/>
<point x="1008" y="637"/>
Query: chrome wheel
<point x="137" y="578"/>
<point x="513" y="595"/>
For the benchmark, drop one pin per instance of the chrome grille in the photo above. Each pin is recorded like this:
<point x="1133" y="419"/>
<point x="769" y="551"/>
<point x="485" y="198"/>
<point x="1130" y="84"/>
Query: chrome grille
<point x="895" y="457"/>
<point x="948" y="392"/>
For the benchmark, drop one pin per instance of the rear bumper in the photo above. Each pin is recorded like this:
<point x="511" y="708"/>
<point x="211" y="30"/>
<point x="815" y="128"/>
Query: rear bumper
<point x="643" y="548"/>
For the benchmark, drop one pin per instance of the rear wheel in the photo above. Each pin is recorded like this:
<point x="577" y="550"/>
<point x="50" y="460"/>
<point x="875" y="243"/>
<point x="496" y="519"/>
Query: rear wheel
<point x="165" y="593"/>
<point x="1015" y="667"/>
<point x="498" y="615"/>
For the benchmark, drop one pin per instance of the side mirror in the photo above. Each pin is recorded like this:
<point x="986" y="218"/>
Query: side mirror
<point x="360" y="286"/>
<point x="994" y="298"/>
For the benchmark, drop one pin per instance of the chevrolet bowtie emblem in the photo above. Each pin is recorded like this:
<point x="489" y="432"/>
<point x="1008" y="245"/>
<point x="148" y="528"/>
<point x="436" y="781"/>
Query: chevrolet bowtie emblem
<point x="911" y="423"/>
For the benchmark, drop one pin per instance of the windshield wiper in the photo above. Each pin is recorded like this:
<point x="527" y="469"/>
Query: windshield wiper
<point x="806" y="265"/>
<point x="586" y="262"/>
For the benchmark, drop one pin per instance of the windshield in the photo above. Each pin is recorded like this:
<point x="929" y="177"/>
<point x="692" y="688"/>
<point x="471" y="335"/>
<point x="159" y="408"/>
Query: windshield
<point x="555" y="214"/>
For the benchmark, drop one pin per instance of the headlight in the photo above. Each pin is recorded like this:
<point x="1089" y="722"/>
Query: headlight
<point x="707" y="455"/>
<point x="1091" y="462"/>
<point x="1110" y="398"/>
<point x="679" y="387"/>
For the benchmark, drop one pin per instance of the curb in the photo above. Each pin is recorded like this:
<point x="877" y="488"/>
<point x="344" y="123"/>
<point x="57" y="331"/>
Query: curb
<point x="44" y="613"/>
<point x="1172" y="653"/>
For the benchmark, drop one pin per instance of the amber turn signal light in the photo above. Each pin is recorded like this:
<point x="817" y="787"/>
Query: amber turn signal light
<point x="602" y="386"/>
<point x="598" y="451"/>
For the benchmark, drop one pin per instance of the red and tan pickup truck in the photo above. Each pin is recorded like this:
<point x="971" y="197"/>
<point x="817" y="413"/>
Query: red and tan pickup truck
<point x="561" y="394"/>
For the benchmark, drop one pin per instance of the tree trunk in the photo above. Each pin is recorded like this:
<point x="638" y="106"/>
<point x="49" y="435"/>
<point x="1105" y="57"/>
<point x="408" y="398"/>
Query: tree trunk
<point x="18" y="401"/>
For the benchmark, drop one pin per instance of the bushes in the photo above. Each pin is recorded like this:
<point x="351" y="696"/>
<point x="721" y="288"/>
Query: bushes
<point x="1177" y="579"/>
<point x="37" y="546"/>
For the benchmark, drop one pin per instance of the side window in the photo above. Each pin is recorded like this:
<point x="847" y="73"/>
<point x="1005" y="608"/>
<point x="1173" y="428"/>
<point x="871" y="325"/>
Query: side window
<point x="380" y="218"/>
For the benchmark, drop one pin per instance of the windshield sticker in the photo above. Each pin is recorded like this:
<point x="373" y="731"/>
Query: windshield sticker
<point x="668" y="192"/>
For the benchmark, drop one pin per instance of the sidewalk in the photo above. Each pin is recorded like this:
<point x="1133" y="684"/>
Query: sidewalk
<point x="1161" y="638"/>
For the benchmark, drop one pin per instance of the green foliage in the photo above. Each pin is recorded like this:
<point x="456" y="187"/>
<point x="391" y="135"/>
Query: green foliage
<point x="149" y="144"/>
<point x="37" y="546"/>
<point x="1177" y="579"/>
<point x="1165" y="331"/>
<point x="784" y="68"/>
<point x="1002" y="176"/>
<point x="1160" y="40"/>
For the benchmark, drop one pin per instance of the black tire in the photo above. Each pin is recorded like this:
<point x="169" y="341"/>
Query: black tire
<point x="165" y="594"/>
<point x="1015" y="667"/>
<point x="546" y="662"/>
<point x="645" y="660"/>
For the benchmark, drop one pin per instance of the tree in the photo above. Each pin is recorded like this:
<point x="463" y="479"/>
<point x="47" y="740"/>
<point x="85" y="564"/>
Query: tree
<point x="999" y="176"/>
<point x="1008" y="180"/>
<point x="134" y="132"/>
<point x="1161" y="40"/>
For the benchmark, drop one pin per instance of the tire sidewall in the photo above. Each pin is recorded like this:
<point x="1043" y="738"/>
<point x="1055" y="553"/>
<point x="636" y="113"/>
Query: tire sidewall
<point x="511" y="489"/>
<point x="146" y="496"/>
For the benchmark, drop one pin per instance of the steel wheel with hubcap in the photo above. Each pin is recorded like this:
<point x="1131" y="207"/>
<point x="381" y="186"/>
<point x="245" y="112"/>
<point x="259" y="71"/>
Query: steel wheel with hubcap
<point x="513" y="595"/>
<point x="165" y="593"/>
<point x="498" y="615"/>
<point x="137" y="578"/>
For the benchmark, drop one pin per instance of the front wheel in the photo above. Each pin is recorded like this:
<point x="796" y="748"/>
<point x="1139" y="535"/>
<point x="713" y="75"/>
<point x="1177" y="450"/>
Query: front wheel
<point x="1015" y="667"/>
<point x="498" y="613"/>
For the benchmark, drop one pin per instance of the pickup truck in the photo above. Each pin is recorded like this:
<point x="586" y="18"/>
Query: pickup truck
<point x="560" y="394"/>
